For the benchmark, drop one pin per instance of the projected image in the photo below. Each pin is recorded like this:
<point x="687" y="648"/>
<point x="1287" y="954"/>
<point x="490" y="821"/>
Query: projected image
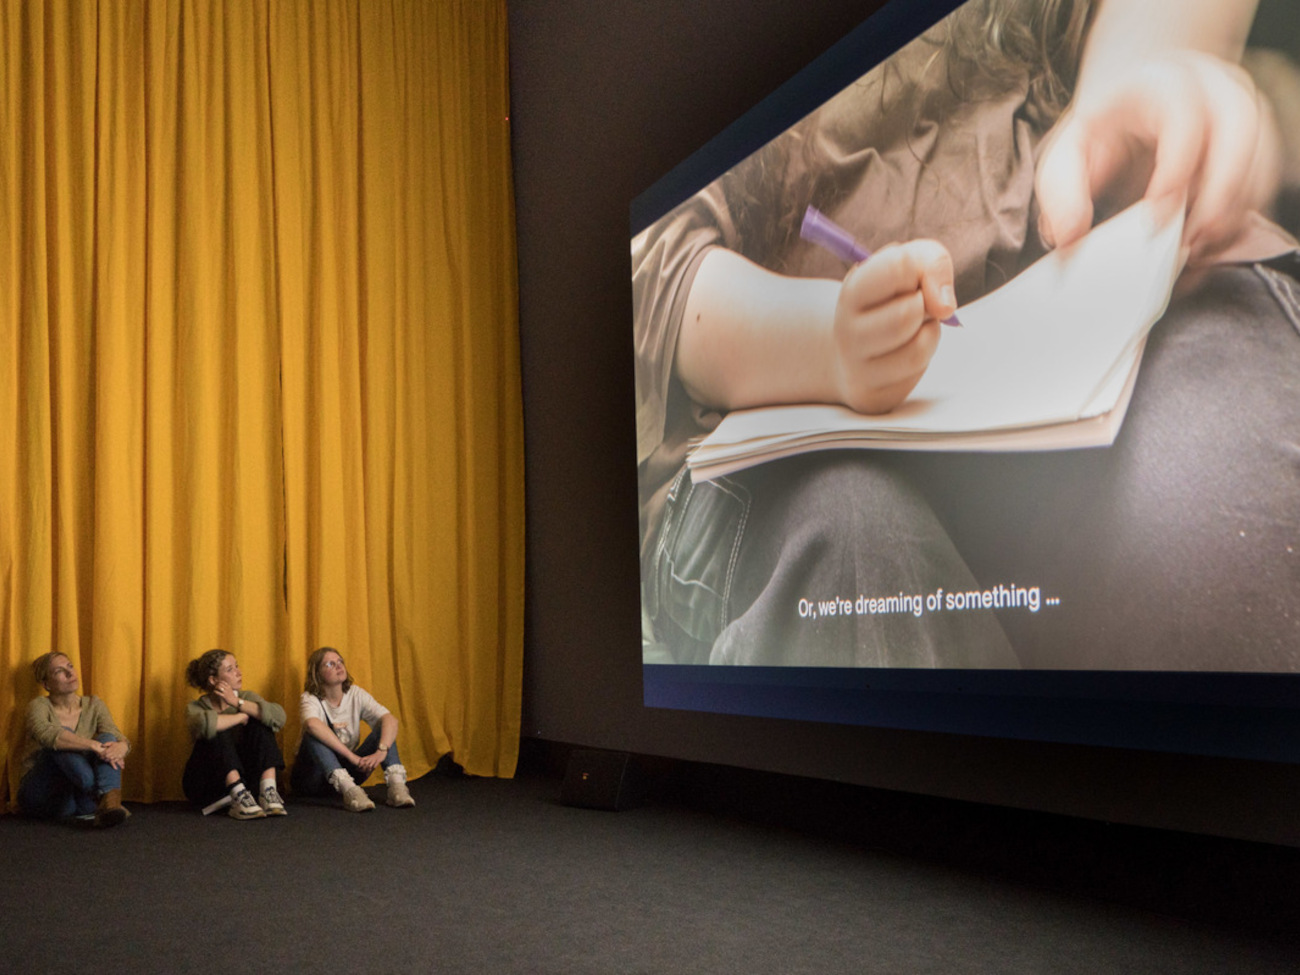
<point x="990" y="361"/>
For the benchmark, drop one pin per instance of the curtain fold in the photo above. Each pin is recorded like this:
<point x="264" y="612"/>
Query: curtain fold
<point x="259" y="378"/>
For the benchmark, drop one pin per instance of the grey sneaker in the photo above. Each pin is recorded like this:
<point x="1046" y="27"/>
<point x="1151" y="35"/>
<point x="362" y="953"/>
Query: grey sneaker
<point x="399" y="795"/>
<point x="271" y="802"/>
<point x="356" y="800"/>
<point x="244" y="806"/>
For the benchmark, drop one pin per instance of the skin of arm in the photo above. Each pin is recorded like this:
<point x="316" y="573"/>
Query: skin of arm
<point x="387" y="734"/>
<point x="227" y="721"/>
<point x="115" y="753"/>
<point x="69" y="741"/>
<point x="249" y="706"/>
<point x="224" y="693"/>
<point x="112" y="752"/>
<point x="751" y="337"/>
<point x="319" y="730"/>
<point x="1162" y="110"/>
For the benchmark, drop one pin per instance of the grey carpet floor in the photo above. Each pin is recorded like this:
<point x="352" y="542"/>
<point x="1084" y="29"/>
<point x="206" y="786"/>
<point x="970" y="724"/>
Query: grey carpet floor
<point x="497" y="876"/>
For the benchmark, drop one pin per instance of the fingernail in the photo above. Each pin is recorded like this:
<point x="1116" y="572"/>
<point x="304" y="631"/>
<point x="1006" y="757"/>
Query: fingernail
<point x="948" y="296"/>
<point x="1045" y="231"/>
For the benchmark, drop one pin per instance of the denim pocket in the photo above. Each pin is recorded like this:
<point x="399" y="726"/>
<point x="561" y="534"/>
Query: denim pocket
<point x="695" y="557"/>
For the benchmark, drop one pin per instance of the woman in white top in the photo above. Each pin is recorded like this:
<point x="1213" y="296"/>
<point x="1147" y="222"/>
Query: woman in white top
<point x="332" y="753"/>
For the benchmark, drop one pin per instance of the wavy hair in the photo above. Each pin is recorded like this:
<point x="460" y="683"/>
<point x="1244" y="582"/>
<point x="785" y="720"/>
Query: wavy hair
<point x="201" y="671"/>
<point x="982" y="47"/>
<point x="1000" y="39"/>
<point x="312" y="685"/>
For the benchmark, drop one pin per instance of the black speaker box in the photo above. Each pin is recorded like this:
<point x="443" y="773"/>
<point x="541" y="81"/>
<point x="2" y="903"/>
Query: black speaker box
<point x="601" y="780"/>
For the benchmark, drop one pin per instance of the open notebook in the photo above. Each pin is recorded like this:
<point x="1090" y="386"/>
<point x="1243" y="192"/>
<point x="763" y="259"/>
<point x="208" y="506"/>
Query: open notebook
<point x="1046" y="362"/>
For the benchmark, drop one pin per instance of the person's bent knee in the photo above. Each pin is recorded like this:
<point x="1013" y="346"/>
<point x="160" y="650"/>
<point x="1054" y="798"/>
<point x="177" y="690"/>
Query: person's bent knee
<point x="79" y="772"/>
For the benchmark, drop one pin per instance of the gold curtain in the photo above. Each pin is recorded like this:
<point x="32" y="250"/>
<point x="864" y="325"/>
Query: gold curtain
<point x="258" y="362"/>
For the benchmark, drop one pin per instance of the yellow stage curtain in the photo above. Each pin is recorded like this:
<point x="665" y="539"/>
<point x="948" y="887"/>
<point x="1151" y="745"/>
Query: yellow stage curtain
<point x="259" y="362"/>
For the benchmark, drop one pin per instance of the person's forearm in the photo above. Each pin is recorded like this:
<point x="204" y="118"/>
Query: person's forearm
<point x="227" y="721"/>
<point x="250" y="708"/>
<point x="750" y="337"/>
<point x="1126" y="32"/>
<point x="387" y="731"/>
<point x="68" y="741"/>
<point x="322" y="732"/>
<point x="115" y="752"/>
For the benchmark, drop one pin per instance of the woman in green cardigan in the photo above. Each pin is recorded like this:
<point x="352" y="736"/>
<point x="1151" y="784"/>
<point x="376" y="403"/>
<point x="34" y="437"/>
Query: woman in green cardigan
<point x="234" y="737"/>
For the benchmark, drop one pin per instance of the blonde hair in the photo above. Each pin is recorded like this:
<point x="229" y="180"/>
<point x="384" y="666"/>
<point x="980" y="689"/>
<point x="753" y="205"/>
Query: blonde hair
<point x="42" y="665"/>
<point x="312" y="684"/>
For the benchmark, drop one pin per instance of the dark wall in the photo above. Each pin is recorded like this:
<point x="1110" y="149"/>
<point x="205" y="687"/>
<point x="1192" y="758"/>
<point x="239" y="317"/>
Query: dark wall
<point x="607" y="96"/>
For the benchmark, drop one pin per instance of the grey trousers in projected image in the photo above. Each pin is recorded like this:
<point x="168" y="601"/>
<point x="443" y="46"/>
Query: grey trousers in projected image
<point x="1178" y="548"/>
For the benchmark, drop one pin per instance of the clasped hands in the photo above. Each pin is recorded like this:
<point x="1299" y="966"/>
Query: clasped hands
<point x="112" y="752"/>
<point x="368" y="763"/>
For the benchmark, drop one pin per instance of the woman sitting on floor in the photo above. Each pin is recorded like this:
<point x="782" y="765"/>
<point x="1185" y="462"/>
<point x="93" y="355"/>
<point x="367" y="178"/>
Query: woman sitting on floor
<point x="73" y="770"/>
<point x="332" y="754"/>
<point x="234" y="734"/>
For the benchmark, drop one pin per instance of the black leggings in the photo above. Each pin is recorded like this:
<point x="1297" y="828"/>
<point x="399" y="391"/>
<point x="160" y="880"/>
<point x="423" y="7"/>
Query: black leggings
<point x="248" y="749"/>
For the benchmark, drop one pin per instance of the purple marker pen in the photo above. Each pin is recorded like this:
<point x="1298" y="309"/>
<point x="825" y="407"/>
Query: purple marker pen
<point x="821" y="230"/>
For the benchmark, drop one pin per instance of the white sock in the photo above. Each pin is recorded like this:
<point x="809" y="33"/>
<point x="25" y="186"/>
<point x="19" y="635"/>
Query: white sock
<point x="267" y="784"/>
<point x="237" y="788"/>
<point x="341" y="780"/>
<point x="397" y="772"/>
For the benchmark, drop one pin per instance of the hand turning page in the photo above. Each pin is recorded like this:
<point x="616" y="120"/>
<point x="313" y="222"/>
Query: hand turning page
<point x="1045" y="362"/>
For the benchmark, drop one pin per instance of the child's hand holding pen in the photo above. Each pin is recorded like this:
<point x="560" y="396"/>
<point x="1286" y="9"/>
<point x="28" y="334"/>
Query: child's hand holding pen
<point x="888" y="314"/>
<point x="887" y="323"/>
<point x="752" y="337"/>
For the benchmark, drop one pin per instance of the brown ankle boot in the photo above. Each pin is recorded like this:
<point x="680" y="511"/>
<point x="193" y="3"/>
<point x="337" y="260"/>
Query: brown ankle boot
<point x="110" y="811"/>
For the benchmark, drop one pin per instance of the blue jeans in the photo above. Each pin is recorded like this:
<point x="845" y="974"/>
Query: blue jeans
<point x="64" y="784"/>
<point x="316" y="761"/>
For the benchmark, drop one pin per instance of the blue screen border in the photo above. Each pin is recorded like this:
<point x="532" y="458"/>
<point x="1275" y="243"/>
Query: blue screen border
<point x="1231" y="715"/>
<point x="1234" y="715"/>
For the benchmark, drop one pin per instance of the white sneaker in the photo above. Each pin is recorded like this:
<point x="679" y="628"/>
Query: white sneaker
<point x="244" y="806"/>
<point x="271" y="802"/>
